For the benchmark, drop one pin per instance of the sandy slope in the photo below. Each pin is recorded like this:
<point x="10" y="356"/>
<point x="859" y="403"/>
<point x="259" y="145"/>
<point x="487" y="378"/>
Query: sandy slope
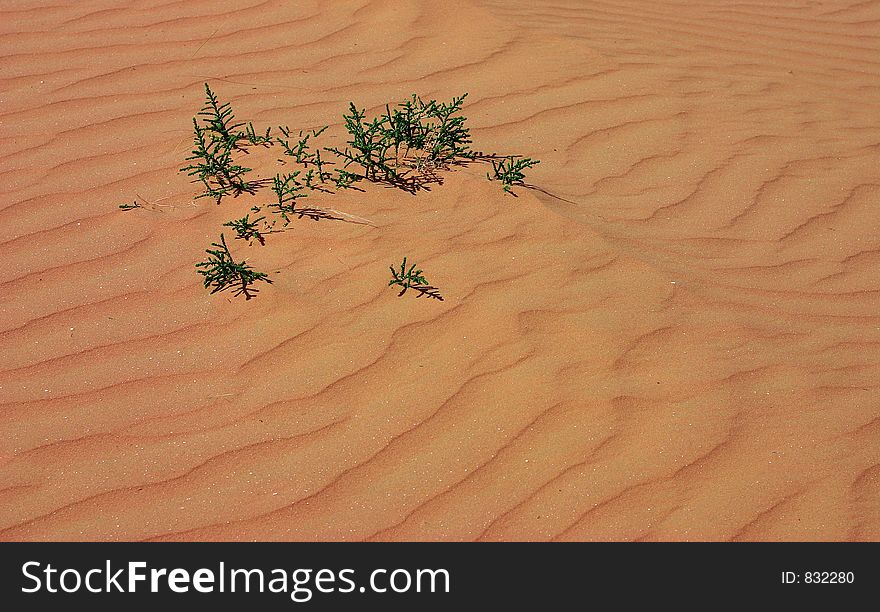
<point x="677" y="338"/>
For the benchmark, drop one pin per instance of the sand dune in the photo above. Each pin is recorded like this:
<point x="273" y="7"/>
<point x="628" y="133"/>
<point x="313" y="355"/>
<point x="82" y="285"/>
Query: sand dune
<point x="674" y="335"/>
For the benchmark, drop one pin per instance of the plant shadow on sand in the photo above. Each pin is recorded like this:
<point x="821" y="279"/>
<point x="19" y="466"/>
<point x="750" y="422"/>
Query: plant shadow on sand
<point x="425" y="290"/>
<point x="221" y="272"/>
<point x="329" y="214"/>
<point x="252" y="186"/>
<point x="247" y="291"/>
<point x="421" y="179"/>
<point x="318" y="214"/>
<point x="412" y="183"/>
<point x="412" y="278"/>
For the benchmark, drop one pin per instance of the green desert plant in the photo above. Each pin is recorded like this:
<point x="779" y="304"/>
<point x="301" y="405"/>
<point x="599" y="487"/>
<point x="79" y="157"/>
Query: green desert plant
<point x="509" y="170"/>
<point x="404" y="124"/>
<point x="214" y="139"/>
<point x="369" y="145"/>
<point x="344" y="179"/>
<point x="433" y="128"/>
<point x="299" y="150"/>
<point x="220" y="120"/>
<point x="288" y="190"/>
<point x="406" y="278"/>
<point x="131" y="206"/>
<point x="222" y="272"/>
<point x="317" y="176"/>
<point x="307" y="181"/>
<point x="448" y="137"/>
<point x="406" y="137"/>
<point x="247" y="229"/>
<point x="412" y="278"/>
<point x="293" y="150"/>
<point x="213" y="165"/>
<point x="323" y="175"/>
<point x="252" y="137"/>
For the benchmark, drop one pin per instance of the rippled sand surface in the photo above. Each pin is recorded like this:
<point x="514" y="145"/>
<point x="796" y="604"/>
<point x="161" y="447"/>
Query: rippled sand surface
<point x="675" y="335"/>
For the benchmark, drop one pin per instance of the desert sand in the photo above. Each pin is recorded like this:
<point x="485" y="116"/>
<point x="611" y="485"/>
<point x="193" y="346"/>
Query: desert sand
<point x="674" y="335"/>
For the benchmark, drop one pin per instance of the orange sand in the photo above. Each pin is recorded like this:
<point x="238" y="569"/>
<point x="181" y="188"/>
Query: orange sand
<point x="676" y="337"/>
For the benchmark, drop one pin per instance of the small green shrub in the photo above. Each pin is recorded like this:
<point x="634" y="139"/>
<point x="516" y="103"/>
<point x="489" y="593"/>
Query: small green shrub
<point x="509" y="170"/>
<point x="219" y="119"/>
<point x="299" y="150"/>
<point x="412" y="278"/>
<point x="368" y="147"/>
<point x="288" y="190"/>
<point x="409" y="137"/>
<point x="214" y="167"/>
<point x="252" y="137"/>
<point x="247" y="229"/>
<point x="222" y="272"/>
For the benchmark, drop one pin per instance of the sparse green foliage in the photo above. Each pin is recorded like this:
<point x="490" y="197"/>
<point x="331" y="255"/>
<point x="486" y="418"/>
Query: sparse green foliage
<point x="214" y="166"/>
<point x="252" y="137"/>
<point x="432" y="129"/>
<point x="448" y="137"/>
<point x="247" y="229"/>
<point x="131" y="206"/>
<point x="214" y="140"/>
<point x="404" y="147"/>
<point x="222" y="272"/>
<point x="509" y="170"/>
<point x="299" y="150"/>
<point x="344" y="179"/>
<point x="219" y="120"/>
<point x="369" y="145"/>
<point x="308" y="178"/>
<point x="323" y="175"/>
<point x="293" y="150"/>
<point x="407" y="278"/>
<point x="404" y="126"/>
<point x="409" y="137"/>
<point x="288" y="190"/>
